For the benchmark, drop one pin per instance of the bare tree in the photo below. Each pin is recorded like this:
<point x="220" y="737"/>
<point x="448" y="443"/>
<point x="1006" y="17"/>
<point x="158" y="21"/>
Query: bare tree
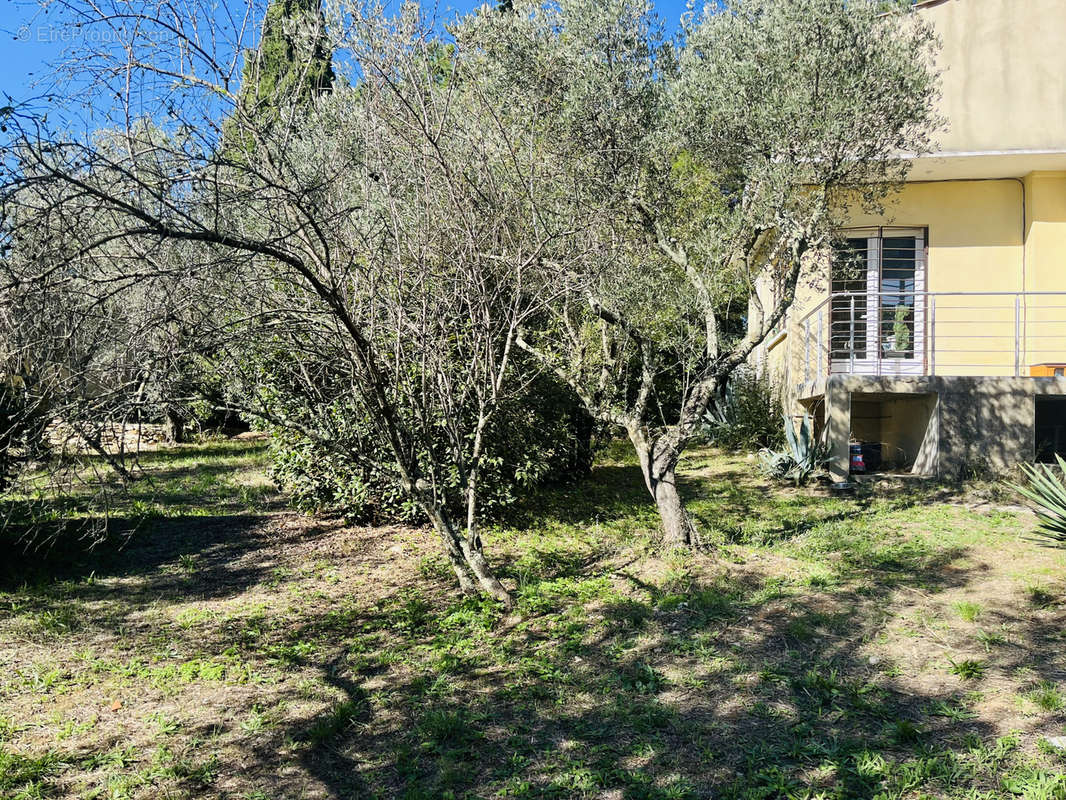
<point x="370" y="253"/>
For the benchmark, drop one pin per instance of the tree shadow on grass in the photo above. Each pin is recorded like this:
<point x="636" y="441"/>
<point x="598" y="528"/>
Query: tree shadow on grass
<point x="1026" y="641"/>
<point x="725" y="688"/>
<point x="173" y="560"/>
<point x="123" y="546"/>
<point x="608" y="491"/>
<point x="714" y="685"/>
<point x="719" y="683"/>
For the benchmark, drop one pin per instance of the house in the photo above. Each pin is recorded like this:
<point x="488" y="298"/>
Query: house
<point x="937" y="342"/>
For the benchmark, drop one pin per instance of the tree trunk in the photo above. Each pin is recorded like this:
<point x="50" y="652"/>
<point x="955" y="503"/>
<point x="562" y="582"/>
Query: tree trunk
<point x="489" y="583"/>
<point x="658" y="463"/>
<point x="467" y="561"/>
<point x="175" y="426"/>
<point x="678" y="528"/>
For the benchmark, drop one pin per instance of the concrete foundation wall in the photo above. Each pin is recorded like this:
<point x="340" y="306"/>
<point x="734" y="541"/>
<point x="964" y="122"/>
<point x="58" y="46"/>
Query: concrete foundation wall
<point x="910" y="431"/>
<point x="949" y="424"/>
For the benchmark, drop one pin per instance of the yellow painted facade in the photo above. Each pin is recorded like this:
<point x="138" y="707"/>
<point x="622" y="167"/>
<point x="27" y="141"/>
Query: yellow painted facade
<point x="1002" y="65"/>
<point x="1045" y="241"/>
<point x="988" y="211"/>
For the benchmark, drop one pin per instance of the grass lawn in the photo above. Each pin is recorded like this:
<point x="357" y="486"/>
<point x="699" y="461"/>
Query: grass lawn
<point x="904" y="643"/>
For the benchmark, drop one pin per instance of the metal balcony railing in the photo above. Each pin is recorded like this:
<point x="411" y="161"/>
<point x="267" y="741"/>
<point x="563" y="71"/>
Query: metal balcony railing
<point x="931" y="333"/>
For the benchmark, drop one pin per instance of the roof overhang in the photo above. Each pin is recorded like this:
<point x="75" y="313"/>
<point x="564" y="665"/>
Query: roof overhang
<point x="985" y="164"/>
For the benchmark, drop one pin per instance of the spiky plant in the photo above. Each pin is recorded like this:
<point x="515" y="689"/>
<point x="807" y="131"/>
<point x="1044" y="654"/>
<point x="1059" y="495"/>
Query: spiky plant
<point x="805" y="456"/>
<point x="1047" y="491"/>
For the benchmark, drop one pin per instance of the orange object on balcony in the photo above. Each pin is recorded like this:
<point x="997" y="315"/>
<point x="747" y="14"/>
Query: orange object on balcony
<point x="1048" y="370"/>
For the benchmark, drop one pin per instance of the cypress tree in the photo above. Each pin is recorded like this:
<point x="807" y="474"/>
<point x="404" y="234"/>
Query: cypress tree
<point x="294" y="60"/>
<point x="292" y="64"/>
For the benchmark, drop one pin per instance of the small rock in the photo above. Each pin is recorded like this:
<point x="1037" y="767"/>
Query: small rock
<point x="874" y="659"/>
<point x="1058" y="742"/>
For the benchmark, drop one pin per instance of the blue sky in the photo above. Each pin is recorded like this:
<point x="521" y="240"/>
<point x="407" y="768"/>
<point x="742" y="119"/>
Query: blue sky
<point x="32" y="41"/>
<point x="24" y="57"/>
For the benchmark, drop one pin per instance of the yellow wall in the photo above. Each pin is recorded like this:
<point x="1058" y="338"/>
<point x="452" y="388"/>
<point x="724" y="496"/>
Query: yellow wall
<point x="1002" y="63"/>
<point x="981" y="238"/>
<point x="1046" y="231"/>
<point x="1045" y="268"/>
<point x="975" y="231"/>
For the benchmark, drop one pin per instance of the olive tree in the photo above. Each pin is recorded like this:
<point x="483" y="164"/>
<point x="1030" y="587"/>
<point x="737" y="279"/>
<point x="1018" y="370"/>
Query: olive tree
<point x="369" y="254"/>
<point x="102" y="344"/>
<point x="695" y="169"/>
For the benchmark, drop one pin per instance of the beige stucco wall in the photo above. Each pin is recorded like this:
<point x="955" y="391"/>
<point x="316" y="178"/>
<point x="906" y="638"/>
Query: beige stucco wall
<point x="1002" y="64"/>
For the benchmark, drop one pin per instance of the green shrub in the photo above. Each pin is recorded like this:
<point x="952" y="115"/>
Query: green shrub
<point x="748" y="417"/>
<point x="542" y="436"/>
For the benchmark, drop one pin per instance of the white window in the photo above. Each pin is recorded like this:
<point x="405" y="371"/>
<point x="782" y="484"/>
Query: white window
<point x="877" y="302"/>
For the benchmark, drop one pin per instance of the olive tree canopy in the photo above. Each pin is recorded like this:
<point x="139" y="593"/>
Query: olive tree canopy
<point x="693" y="169"/>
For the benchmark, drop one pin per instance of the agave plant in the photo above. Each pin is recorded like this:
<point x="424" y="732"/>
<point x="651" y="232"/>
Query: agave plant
<point x="775" y="464"/>
<point x="1047" y="490"/>
<point x="805" y="456"/>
